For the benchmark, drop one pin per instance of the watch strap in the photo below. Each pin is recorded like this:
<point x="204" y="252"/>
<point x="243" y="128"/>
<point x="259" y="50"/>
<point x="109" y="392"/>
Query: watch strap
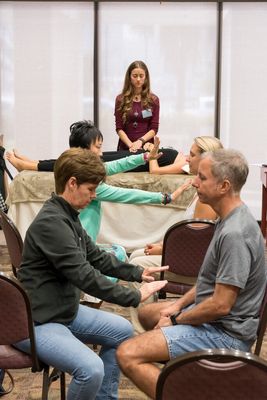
<point x="174" y="316"/>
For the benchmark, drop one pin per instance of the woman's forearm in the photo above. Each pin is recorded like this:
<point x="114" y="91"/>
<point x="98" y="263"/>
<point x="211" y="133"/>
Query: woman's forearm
<point x="149" y="135"/>
<point x="154" y="167"/>
<point x="124" y="138"/>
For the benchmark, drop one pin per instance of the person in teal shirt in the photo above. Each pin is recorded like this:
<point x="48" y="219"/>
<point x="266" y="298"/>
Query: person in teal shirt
<point x="84" y="134"/>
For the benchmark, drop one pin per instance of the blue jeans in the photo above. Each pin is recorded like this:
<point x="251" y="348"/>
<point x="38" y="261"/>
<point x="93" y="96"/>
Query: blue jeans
<point x="185" y="338"/>
<point x="63" y="347"/>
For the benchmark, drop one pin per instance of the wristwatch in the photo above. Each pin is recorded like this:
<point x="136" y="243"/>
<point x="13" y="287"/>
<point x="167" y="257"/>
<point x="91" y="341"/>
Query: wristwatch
<point x="174" y="316"/>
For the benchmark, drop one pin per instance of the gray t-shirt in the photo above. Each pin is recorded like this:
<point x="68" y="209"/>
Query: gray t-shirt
<point x="236" y="257"/>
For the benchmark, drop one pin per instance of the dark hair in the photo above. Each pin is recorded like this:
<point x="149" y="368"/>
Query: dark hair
<point x="82" y="164"/>
<point x="84" y="134"/>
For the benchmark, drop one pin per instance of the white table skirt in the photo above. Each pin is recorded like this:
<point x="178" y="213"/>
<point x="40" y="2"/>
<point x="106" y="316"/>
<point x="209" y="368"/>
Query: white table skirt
<point x="129" y="225"/>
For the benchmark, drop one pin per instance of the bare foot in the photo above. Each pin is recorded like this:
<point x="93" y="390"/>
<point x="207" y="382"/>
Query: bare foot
<point x="20" y="164"/>
<point x="21" y="157"/>
<point x="16" y="162"/>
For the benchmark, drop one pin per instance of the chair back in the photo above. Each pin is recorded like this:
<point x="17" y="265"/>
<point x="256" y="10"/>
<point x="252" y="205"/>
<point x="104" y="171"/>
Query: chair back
<point x="17" y="324"/>
<point x="262" y="324"/>
<point x="13" y="240"/>
<point x="216" y="374"/>
<point x="184" y="247"/>
<point x="15" y="319"/>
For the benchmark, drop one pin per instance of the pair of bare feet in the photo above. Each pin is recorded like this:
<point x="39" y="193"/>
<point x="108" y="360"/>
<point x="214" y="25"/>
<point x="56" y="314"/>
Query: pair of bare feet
<point x="20" y="162"/>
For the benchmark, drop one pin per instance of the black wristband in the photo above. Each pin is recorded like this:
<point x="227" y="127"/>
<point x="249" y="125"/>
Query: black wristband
<point x="174" y="316"/>
<point x="142" y="140"/>
<point x="167" y="198"/>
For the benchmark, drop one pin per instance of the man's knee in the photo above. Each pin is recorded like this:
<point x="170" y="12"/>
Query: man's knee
<point x="126" y="354"/>
<point x="148" y="316"/>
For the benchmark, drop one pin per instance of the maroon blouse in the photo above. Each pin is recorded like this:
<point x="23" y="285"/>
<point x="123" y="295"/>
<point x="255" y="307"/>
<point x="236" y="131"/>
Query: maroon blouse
<point x="139" y="120"/>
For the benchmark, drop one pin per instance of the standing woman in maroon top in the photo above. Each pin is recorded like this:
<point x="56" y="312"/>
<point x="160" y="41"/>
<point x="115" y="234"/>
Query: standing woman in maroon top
<point x="136" y="109"/>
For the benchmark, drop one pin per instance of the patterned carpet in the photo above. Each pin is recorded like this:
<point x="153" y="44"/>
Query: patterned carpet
<point x="28" y="385"/>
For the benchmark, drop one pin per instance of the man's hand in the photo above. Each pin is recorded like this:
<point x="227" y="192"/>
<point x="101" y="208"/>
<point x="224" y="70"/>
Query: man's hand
<point x="163" y="321"/>
<point x="146" y="275"/>
<point x="150" y="288"/>
<point x="171" y="309"/>
<point x="165" y="314"/>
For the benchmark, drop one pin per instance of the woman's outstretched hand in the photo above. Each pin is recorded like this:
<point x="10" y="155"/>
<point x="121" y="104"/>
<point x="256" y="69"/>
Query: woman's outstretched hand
<point x="154" y="150"/>
<point x="148" y="273"/>
<point x="150" y="288"/>
<point x="186" y="185"/>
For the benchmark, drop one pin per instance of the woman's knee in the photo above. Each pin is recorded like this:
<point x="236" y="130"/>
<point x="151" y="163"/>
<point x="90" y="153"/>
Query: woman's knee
<point x="126" y="330"/>
<point x="87" y="379"/>
<point x="91" y="372"/>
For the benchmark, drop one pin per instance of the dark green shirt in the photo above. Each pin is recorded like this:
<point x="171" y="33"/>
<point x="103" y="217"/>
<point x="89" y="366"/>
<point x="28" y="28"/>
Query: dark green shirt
<point x="59" y="260"/>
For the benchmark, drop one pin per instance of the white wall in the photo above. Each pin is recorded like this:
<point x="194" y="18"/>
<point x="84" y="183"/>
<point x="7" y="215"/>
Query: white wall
<point x="244" y="90"/>
<point x="46" y="73"/>
<point x="177" y="41"/>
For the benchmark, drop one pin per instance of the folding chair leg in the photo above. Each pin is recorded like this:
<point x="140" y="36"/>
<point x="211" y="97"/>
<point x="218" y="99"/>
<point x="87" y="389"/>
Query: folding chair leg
<point x="49" y="378"/>
<point x="62" y="386"/>
<point x="46" y="383"/>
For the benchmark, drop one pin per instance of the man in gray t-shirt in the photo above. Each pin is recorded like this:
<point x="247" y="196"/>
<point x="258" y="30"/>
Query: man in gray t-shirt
<point x="229" y="261"/>
<point x="222" y="309"/>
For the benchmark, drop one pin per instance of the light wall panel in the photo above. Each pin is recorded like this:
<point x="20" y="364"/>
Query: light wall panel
<point x="244" y="89"/>
<point x="46" y="71"/>
<point x="177" y="41"/>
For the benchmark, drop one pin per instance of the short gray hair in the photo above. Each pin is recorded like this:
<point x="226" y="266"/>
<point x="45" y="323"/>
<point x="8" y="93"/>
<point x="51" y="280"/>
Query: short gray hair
<point x="229" y="164"/>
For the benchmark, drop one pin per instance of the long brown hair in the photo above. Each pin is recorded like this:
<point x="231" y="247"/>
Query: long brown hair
<point x="127" y="93"/>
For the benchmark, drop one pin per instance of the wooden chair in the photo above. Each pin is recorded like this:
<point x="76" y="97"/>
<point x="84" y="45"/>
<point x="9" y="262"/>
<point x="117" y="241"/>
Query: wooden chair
<point x="17" y="324"/>
<point x="215" y="374"/>
<point x="13" y="240"/>
<point x="184" y="247"/>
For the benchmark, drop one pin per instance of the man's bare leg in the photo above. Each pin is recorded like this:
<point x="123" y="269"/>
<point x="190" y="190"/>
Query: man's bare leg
<point x="137" y="355"/>
<point x="149" y="314"/>
<point x="20" y="164"/>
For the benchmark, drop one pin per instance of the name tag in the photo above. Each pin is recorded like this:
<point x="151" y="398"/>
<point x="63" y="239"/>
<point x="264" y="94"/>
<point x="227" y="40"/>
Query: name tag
<point x="146" y="113"/>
